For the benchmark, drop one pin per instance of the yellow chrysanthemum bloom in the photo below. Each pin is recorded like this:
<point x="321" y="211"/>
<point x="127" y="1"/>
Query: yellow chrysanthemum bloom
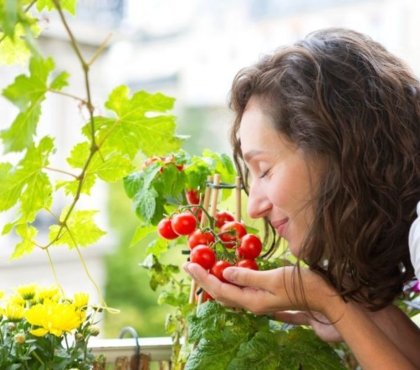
<point x="16" y="300"/>
<point x="1" y="294"/>
<point x="81" y="300"/>
<point x="52" y="293"/>
<point x="52" y="317"/>
<point x="14" y="312"/>
<point x="27" y="292"/>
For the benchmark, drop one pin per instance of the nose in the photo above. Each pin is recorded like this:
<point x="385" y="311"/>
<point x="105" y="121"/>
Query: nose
<point x="258" y="203"/>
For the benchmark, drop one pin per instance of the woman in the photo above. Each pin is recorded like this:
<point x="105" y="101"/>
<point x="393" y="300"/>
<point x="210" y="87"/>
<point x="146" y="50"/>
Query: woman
<point x="328" y="131"/>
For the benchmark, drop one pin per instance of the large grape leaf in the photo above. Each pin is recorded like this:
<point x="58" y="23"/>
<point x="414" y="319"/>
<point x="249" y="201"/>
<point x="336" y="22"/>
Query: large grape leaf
<point x="141" y="124"/>
<point x="27" y="182"/>
<point x="81" y="230"/>
<point x="28" y="93"/>
<point x="69" y="5"/>
<point x="26" y="245"/>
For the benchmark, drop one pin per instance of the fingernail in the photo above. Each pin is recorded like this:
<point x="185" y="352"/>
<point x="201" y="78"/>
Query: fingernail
<point x="186" y="267"/>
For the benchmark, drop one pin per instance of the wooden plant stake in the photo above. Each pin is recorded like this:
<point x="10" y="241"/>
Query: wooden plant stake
<point x="203" y="221"/>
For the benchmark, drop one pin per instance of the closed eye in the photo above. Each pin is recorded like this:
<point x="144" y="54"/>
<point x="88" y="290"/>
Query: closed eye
<point x="264" y="174"/>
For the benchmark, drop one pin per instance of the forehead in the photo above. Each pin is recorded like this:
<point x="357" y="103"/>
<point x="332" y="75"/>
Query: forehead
<point x="256" y="129"/>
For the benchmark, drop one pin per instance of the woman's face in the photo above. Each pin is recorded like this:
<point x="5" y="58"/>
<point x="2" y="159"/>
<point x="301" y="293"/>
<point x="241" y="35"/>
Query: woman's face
<point x="282" y="182"/>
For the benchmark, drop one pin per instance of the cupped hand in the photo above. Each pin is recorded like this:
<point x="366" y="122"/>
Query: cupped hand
<point x="319" y="323"/>
<point x="262" y="292"/>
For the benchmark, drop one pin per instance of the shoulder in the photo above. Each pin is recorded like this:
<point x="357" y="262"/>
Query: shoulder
<point x="414" y="243"/>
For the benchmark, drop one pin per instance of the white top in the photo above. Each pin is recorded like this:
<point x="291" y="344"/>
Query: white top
<point x="414" y="243"/>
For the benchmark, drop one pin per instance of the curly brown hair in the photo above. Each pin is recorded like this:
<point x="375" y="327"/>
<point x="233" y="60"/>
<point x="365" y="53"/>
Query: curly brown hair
<point x="341" y="96"/>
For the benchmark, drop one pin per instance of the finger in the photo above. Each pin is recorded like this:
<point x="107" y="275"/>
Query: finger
<point x="292" y="317"/>
<point x="255" y="300"/>
<point x="268" y="280"/>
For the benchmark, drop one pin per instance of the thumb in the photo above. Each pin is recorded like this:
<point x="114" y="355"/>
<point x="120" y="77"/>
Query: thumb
<point x="265" y="280"/>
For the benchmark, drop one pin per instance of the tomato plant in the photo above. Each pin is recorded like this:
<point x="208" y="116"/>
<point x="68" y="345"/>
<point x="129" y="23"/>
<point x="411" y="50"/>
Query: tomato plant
<point x="222" y="217"/>
<point x="218" y="268"/>
<point x="231" y="232"/>
<point x="204" y="256"/>
<point x="192" y="196"/>
<point x="184" y="223"/>
<point x="200" y="237"/>
<point x="165" y="229"/>
<point x="248" y="263"/>
<point x="250" y="247"/>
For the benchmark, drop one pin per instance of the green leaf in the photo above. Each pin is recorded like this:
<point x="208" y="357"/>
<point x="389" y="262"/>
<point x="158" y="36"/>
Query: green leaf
<point x="302" y="349"/>
<point x="27" y="93"/>
<point x="69" y="5"/>
<point x="27" y="182"/>
<point x="142" y="124"/>
<point x="81" y="230"/>
<point x="10" y="187"/>
<point x="111" y="168"/>
<point x="157" y="246"/>
<point x="142" y="232"/>
<point x="10" y="17"/>
<point x="145" y="204"/>
<point x="160" y="274"/>
<point x="26" y="246"/>
<point x="60" y="81"/>
<point x="260" y="353"/>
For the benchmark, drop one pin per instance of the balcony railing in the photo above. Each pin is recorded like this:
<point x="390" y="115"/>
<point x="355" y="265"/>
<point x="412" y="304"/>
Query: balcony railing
<point x="158" y="349"/>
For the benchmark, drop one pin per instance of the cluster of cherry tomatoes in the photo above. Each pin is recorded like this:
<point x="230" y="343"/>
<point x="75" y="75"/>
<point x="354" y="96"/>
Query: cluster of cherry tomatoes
<point x="226" y="243"/>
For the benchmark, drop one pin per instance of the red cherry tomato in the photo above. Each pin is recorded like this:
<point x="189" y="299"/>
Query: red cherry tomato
<point x="222" y="217"/>
<point x="204" y="256"/>
<point x="250" y="247"/>
<point x="193" y="197"/>
<point x="231" y="232"/>
<point x="165" y="229"/>
<point x="248" y="264"/>
<point x="184" y="223"/>
<point x="200" y="237"/>
<point x="218" y="268"/>
<point x="206" y="297"/>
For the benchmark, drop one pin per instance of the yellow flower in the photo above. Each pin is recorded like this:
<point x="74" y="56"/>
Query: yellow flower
<point x="14" y="312"/>
<point x="16" y="300"/>
<point x="52" y="293"/>
<point x="52" y="317"/>
<point x="1" y="294"/>
<point x="81" y="300"/>
<point x="27" y="292"/>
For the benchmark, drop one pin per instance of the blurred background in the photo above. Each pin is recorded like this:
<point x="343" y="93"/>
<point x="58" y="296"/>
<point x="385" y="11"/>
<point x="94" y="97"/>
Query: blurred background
<point x="190" y="50"/>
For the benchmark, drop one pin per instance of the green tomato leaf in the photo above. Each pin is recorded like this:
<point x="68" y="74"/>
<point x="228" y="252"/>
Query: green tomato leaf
<point x="141" y="233"/>
<point x="302" y="349"/>
<point x="157" y="246"/>
<point x="81" y="230"/>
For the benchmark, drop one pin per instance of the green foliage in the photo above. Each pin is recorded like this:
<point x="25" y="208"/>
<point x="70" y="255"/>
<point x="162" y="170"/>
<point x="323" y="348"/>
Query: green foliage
<point x="232" y="340"/>
<point x="140" y="124"/>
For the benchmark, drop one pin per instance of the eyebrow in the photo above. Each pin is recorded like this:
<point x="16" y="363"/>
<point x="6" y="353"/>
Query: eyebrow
<point x="252" y="153"/>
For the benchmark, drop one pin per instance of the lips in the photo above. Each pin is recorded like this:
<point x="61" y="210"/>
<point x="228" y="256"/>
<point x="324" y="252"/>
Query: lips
<point x="280" y="226"/>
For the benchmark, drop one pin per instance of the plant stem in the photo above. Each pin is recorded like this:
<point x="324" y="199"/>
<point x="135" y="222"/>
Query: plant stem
<point x="61" y="171"/>
<point x="58" y="92"/>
